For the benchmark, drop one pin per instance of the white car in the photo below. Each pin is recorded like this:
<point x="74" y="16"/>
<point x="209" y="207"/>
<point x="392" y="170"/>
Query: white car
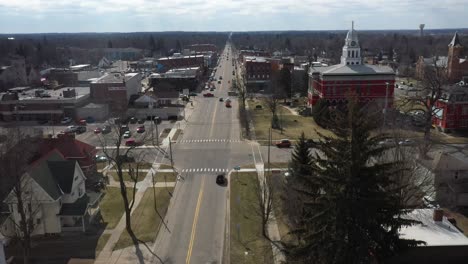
<point x="406" y="142"/>
<point x="65" y="120"/>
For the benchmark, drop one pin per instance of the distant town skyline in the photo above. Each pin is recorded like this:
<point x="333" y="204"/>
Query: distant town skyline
<point x="44" y="16"/>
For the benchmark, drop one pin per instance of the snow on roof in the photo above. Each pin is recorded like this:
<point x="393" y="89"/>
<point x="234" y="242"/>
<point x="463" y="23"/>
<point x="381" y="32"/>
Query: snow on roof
<point x="433" y="233"/>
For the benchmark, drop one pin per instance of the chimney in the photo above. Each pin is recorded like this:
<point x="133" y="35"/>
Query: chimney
<point x="438" y="215"/>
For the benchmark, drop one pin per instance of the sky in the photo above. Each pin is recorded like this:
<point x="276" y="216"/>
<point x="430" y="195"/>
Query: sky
<point x="44" y="16"/>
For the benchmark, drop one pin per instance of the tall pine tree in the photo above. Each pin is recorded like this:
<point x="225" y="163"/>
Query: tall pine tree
<point x="300" y="166"/>
<point x="356" y="216"/>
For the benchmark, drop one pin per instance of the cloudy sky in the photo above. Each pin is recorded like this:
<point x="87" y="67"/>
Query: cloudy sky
<point x="34" y="16"/>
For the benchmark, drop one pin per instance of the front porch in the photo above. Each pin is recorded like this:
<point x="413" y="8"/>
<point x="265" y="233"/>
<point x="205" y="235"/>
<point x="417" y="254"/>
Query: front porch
<point x="75" y="217"/>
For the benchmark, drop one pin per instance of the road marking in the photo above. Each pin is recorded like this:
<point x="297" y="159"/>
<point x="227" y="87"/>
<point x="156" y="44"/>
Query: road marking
<point x="195" y="220"/>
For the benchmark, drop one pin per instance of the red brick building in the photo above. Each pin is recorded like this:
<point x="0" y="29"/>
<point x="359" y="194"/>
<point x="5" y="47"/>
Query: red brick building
<point x="257" y="73"/>
<point x="456" y="61"/>
<point x="351" y="78"/>
<point x="180" y="61"/>
<point x="452" y="109"/>
<point x="115" y="89"/>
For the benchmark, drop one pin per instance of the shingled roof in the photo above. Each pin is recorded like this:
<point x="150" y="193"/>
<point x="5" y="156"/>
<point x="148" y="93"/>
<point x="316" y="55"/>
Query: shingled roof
<point x="63" y="173"/>
<point x="455" y="40"/>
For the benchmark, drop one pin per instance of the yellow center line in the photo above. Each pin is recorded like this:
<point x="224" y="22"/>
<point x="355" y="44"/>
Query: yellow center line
<point x="216" y="107"/>
<point x="195" y="220"/>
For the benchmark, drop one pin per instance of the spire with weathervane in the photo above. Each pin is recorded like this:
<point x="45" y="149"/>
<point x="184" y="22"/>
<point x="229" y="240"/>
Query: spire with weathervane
<point x="351" y="50"/>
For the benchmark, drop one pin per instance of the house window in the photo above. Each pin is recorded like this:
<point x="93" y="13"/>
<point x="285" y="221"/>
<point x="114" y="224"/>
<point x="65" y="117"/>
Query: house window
<point x="76" y="178"/>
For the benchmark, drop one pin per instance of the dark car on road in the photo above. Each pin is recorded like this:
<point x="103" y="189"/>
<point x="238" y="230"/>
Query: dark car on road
<point x="141" y="121"/>
<point x="284" y="143"/>
<point x="221" y="179"/>
<point x="208" y="95"/>
<point x="80" y="129"/>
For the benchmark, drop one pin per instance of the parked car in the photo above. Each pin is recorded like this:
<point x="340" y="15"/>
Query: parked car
<point x="219" y="82"/>
<point x="221" y="179"/>
<point x="100" y="158"/>
<point x="81" y="129"/>
<point x="406" y="142"/>
<point x="90" y="120"/>
<point x="388" y="142"/>
<point x="283" y="143"/>
<point x="208" y="95"/>
<point x="212" y="89"/>
<point x="141" y="121"/>
<point x="141" y="129"/>
<point x="106" y="129"/>
<point x="157" y="120"/>
<point x="71" y="129"/>
<point x="193" y="94"/>
<point x="82" y="122"/>
<point x="124" y="129"/>
<point x="131" y="142"/>
<point x="133" y="120"/>
<point x="98" y="130"/>
<point x="221" y="99"/>
<point x="127" y="134"/>
<point x="66" y="121"/>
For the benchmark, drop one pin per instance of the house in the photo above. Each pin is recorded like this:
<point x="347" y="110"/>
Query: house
<point x="445" y="243"/>
<point x="73" y="150"/>
<point x="54" y="190"/>
<point x="452" y="108"/>
<point x="450" y="180"/>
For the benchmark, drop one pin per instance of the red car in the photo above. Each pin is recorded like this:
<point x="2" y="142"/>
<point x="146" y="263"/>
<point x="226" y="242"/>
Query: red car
<point x="141" y="129"/>
<point x="284" y="143"/>
<point x="98" y="130"/>
<point x="131" y="142"/>
<point x="208" y="95"/>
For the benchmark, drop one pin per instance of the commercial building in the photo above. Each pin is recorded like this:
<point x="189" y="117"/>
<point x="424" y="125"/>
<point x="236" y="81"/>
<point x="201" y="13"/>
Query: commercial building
<point x="177" y="79"/>
<point x="115" y="89"/>
<point x="29" y="104"/>
<point x="351" y="78"/>
<point x="177" y="61"/>
<point x="452" y="108"/>
<point x="257" y="73"/>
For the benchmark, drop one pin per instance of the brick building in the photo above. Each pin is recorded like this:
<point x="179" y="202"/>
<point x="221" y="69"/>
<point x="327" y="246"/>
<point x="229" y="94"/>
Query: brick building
<point x="452" y="108"/>
<point x="115" y="89"/>
<point x="179" y="61"/>
<point x="456" y="61"/>
<point x="257" y="73"/>
<point x="351" y="78"/>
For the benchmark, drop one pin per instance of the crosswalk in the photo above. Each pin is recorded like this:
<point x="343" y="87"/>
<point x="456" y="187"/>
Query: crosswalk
<point x="205" y="170"/>
<point x="210" y="140"/>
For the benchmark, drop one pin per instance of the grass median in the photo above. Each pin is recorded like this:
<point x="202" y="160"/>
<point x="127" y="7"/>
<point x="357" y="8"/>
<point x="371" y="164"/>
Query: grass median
<point x="293" y="125"/>
<point x="245" y="222"/>
<point x="112" y="207"/>
<point x="145" y="220"/>
<point x="126" y="176"/>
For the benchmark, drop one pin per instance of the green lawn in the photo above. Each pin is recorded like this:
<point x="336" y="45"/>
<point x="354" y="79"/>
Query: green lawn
<point x="112" y="207"/>
<point x="126" y="176"/>
<point x="245" y="225"/>
<point x="102" y="242"/>
<point x="176" y="134"/>
<point x="165" y="176"/>
<point x="293" y="125"/>
<point x="101" y="165"/>
<point x="165" y="166"/>
<point x="145" y="220"/>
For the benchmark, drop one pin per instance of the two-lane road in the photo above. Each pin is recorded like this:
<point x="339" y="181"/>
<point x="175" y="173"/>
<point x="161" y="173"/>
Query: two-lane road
<point x="208" y="146"/>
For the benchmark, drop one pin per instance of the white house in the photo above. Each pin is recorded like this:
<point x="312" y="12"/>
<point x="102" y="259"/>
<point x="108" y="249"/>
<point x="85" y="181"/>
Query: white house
<point x="55" y="195"/>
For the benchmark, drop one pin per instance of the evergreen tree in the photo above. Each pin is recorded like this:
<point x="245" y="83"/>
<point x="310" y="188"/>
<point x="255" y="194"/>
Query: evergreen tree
<point x="355" y="218"/>
<point x="300" y="166"/>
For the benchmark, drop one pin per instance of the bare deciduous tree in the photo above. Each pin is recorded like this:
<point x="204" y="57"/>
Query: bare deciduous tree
<point x="15" y="156"/>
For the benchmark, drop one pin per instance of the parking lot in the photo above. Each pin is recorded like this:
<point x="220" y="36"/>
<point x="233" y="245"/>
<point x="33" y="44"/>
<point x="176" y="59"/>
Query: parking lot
<point x="98" y="139"/>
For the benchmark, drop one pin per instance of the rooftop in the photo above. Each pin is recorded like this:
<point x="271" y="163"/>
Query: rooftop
<point x="177" y="73"/>
<point x="27" y="93"/>
<point x="344" y="69"/>
<point x="255" y="59"/>
<point x="433" y="233"/>
<point x="115" y="77"/>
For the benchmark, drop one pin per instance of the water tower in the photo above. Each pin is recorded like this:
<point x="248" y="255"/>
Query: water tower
<point x="421" y="30"/>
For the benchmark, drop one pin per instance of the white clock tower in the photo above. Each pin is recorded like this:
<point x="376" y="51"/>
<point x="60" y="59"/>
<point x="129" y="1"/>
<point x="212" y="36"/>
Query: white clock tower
<point x="351" y="51"/>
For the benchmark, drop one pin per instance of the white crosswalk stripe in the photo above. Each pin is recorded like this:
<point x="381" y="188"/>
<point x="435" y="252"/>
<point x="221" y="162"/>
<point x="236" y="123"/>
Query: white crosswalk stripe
<point x="189" y="170"/>
<point x="209" y="140"/>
